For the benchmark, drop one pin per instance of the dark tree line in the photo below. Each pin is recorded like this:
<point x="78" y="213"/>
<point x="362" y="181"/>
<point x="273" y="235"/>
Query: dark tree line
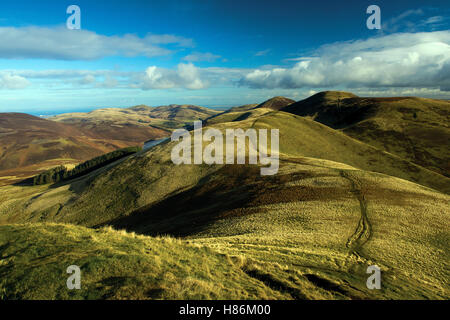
<point x="61" y="173"/>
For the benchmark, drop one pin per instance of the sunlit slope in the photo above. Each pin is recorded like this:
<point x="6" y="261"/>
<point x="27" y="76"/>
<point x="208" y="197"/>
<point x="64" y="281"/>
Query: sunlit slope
<point x="117" y="265"/>
<point x="303" y="137"/>
<point x="319" y="220"/>
<point x="416" y="129"/>
<point x="309" y="232"/>
<point x="117" y="191"/>
<point x="331" y="224"/>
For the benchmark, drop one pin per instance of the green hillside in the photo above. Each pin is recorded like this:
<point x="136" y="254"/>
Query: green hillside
<point x="336" y="206"/>
<point x="415" y="129"/>
<point x="118" y="265"/>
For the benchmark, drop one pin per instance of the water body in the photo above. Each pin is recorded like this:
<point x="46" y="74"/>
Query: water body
<point x="151" y="143"/>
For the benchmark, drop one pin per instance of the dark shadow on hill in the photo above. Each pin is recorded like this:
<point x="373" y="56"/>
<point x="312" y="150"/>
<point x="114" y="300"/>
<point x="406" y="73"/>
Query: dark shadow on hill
<point x="233" y="191"/>
<point x="245" y="116"/>
<point x="337" y="114"/>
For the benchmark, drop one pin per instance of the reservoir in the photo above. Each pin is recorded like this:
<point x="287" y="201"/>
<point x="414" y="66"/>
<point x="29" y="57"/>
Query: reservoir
<point x="151" y="143"/>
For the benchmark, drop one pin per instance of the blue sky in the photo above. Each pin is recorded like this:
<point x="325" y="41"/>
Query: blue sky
<point x="216" y="53"/>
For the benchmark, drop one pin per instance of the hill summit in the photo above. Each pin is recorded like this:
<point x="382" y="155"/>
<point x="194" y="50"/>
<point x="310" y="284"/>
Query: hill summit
<point x="276" y="103"/>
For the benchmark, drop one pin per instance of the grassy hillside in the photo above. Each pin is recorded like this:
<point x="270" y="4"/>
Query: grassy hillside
<point x="152" y="177"/>
<point x="62" y="173"/>
<point x="118" y="265"/>
<point x="415" y="129"/>
<point x="336" y="206"/>
<point x="303" y="137"/>
<point x="308" y="233"/>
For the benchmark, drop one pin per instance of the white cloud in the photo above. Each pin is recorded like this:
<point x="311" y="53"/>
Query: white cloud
<point x="199" y="56"/>
<point x="9" y="81"/>
<point x="190" y="76"/>
<point x="185" y="76"/>
<point x="64" y="44"/>
<point x="397" y="60"/>
<point x="154" y="79"/>
<point x="397" y="63"/>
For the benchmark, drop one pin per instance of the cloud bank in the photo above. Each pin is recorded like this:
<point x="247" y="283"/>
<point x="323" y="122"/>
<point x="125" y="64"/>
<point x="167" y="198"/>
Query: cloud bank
<point x="401" y="62"/>
<point x="63" y="44"/>
<point x="397" y="60"/>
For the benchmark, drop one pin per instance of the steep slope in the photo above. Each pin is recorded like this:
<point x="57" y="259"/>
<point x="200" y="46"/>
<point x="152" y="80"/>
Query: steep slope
<point x="303" y="137"/>
<point x="415" y="129"/>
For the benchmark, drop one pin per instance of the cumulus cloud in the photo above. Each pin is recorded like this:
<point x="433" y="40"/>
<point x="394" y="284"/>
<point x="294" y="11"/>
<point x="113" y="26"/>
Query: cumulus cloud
<point x="397" y="60"/>
<point x="185" y="76"/>
<point x="64" y="44"/>
<point x="10" y="81"/>
<point x="190" y="76"/>
<point x="199" y="56"/>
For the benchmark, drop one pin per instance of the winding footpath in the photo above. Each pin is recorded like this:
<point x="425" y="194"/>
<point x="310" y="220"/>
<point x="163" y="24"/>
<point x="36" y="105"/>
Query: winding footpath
<point x="363" y="231"/>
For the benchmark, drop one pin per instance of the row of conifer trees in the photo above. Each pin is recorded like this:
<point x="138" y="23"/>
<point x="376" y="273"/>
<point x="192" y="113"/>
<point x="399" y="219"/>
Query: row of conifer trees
<point x="61" y="173"/>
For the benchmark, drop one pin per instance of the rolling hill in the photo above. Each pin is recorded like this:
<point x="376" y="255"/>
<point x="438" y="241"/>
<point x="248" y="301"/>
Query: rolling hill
<point x="29" y="145"/>
<point x="162" y="119"/>
<point x="308" y="232"/>
<point x="336" y="206"/>
<point x="250" y="110"/>
<point x="415" y="129"/>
